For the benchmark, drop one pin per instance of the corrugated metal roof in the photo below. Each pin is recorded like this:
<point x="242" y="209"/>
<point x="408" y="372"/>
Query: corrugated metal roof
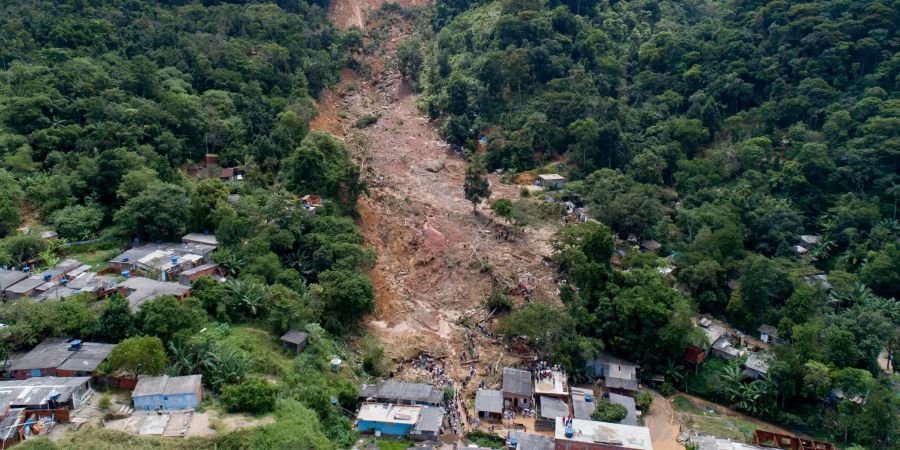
<point x="36" y="391"/>
<point x="552" y="407"/>
<point x="489" y="400"/>
<point x="398" y="391"/>
<point x="430" y="419"/>
<point x="166" y="385"/>
<point x="55" y="353"/>
<point x="295" y="337"/>
<point x="517" y="382"/>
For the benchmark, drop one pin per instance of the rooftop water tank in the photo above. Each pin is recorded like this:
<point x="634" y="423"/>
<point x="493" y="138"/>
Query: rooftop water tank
<point x="47" y="277"/>
<point x="124" y="259"/>
<point x="125" y="273"/>
<point x="570" y="433"/>
<point x="174" y="260"/>
<point x="75" y="344"/>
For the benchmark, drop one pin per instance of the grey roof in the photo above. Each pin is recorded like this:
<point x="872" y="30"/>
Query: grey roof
<point x="529" y="441"/>
<point x="11" y="277"/>
<point x="55" y="353"/>
<point x="619" y="373"/>
<point x="430" y="420"/>
<point x="552" y="407"/>
<point x="399" y="391"/>
<point x="158" y="256"/>
<point x="551" y="176"/>
<point x="489" y="400"/>
<point x="37" y="390"/>
<point x="56" y="293"/>
<point x="142" y="290"/>
<point x="295" y="337"/>
<point x="650" y="244"/>
<point x="517" y="382"/>
<point x="199" y="269"/>
<point x="628" y="403"/>
<point x="758" y="361"/>
<point x="707" y="442"/>
<point x="768" y="329"/>
<point x="166" y="385"/>
<point x="9" y="423"/>
<point x="25" y="286"/>
<point x="200" y="238"/>
<point x="581" y="407"/>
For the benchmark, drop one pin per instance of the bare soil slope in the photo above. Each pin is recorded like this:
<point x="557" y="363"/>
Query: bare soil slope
<point x="437" y="260"/>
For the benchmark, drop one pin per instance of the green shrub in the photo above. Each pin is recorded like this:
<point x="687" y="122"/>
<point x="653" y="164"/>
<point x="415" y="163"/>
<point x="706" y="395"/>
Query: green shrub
<point x="609" y="412"/>
<point x="105" y="401"/>
<point x="666" y="389"/>
<point x="254" y="395"/>
<point x="366" y="120"/>
<point x="643" y="400"/>
<point x="498" y="301"/>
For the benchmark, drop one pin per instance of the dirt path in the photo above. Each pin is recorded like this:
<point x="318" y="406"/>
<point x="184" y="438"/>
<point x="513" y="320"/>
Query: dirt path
<point x="663" y="423"/>
<point x="437" y="260"/>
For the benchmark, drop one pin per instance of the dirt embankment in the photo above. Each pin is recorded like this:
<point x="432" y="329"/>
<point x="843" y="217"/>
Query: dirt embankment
<point x="437" y="260"/>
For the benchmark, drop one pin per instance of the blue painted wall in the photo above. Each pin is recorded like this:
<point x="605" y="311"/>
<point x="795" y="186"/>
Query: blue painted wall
<point x="151" y="402"/>
<point x="392" y="429"/>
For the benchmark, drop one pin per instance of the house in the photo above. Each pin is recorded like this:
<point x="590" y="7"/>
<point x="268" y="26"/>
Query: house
<point x="549" y="409"/>
<point x="10" y="277"/>
<point x="619" y="375"/>
<point x="402" y="393"/>
<point x="162" y="261"/>
<point x="583" y="404"/>
<point x="576" y="434"/>
<point x="723" y="348"/>
<point x="311" y="203"/>
<point x="628" y="403"/>
<point x="188" y="277"/>
<point x="55" y="395"/>
<point x="383" y="419"/>
<point x="12" y="425"/>
<point x="489" y="404"/>
<point x="200" y="238"/>
<point x="57" y="357"/>
<point x="707" y="442"/>
<point x="167" y="393"/>
<point x="650" y="245"/>
<point x="551" y="382"/>
<point x="696" y="353"/>
<point x="769" y="335"/>
<point x="771" y="439"/>
<point x="551" y="181"/>
<point x="517" y="388"/>
<point x="429" y="425"/>
<point x="520" y="440"/>
<point x="139" y="290"/>
<point x="294" y="341"/>
<point x="23" y="288"/>
<point x="757" y="365"/>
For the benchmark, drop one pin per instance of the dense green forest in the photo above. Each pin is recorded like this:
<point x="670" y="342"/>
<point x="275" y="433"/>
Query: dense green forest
<point x="103" y="104"/>
<point x="724" y="130"/>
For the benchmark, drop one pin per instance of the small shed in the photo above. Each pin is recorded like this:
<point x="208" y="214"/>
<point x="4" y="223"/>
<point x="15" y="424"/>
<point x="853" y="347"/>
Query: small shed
<point x="769" y="335"/>
<point x="489" y="404"/>
<point x="757" y="365"/>
<point x="551" y="181"/>
<point x="167" y="393"/>
<point x="294" y="340"/>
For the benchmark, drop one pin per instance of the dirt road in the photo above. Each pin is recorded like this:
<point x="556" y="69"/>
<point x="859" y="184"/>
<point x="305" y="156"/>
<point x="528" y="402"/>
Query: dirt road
<point x="663" y="423"/>
<point x="437" y="260"/>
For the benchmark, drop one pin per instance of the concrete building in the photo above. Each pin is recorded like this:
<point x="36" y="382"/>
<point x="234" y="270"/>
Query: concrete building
<point x="168" y="393"/>
<point x="294" y="341"/>
<point x="429" y="425"/>
<point x="139" y="290"/>
<point x="47" y="393"/>
<point x="58" y="357"/>
<point x="520" y="440"/>
<point x="188" y="277"/>
<point x="619" y="375"/>
<point x="551" y="382"/>
<point x="489" y="404"/>
<point x="517" y="389"/>
<point x="163" y="261"/>
<point x="402" y="393"/>
<point x="583" y="403"/>
<point x="549" y="409"/>
<point x="575" y="434"/>
<point x="551" y="181"/>
<point x="757" y="365"/>
<point x="200" y="238"/>
<point x="387" y="419"/>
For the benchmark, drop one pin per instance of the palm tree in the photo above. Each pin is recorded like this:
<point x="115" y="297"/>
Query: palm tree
<point x="248" y="296"/>
<point x="229" y="260"/>
<point x="675" y="374"/>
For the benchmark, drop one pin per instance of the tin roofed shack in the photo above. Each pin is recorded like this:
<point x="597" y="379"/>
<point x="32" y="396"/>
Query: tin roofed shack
<point x="60" y="357"/>
<point x="402" y="393"/>
<point x="168" y="393"/>
<point x="418" y="422"/>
